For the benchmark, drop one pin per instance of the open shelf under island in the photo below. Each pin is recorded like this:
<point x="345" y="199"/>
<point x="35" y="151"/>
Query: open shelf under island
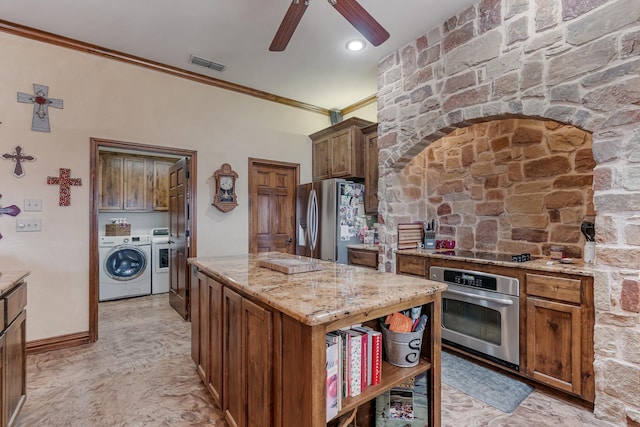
<point x="258" y="335"/>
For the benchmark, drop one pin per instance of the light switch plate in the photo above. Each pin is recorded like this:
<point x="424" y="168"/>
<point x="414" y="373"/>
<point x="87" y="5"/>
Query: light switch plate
<point x="32" y="205"/>
<point x="27" y="225"/>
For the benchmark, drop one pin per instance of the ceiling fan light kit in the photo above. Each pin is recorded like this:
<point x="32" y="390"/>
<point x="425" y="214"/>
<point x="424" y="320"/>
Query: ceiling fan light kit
<point x="355" y="45"/>
<point x="349" y="9"/>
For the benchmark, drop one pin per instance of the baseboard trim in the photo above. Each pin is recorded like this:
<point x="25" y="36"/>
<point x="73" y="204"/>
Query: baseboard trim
<point x="58" y="343"/>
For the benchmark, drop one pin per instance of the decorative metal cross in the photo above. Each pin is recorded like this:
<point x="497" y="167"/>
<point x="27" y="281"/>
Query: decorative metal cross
<point x="18" y="157"/>
<point x="12" y="210"/>
<point x="41" y="103"/>
<point x="65" y="182"/>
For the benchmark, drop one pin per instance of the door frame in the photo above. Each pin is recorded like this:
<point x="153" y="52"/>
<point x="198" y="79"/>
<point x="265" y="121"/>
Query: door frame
<point x="94" y="232"/>
<point x="253" y="162"/>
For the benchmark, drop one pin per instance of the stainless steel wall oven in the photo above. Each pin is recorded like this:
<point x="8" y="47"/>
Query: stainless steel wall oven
<point x="481" y="314"/>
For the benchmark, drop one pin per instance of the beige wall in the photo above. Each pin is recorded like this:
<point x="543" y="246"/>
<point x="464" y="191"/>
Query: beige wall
<point x="112" y="100"/>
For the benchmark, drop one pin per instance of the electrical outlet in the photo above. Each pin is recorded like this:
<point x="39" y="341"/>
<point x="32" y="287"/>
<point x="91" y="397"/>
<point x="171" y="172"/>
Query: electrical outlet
<point x="32" y="205"/>
<point x="27" y="225"/>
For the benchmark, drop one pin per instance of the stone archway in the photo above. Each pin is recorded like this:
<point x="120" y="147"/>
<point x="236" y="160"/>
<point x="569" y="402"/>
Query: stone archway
<point x="571" y="61"/>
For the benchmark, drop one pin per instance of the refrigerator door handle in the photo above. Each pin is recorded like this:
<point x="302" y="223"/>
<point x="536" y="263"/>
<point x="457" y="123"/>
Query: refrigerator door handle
<point x="312" y="220"/>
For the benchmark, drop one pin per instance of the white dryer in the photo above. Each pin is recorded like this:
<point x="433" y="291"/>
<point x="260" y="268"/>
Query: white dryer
<point x="125" y="266"/>
<point x="160" y="260"/>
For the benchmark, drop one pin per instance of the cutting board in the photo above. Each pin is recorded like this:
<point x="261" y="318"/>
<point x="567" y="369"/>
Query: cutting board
<point x="410" y="235"/>
<point x="289" y="266"/>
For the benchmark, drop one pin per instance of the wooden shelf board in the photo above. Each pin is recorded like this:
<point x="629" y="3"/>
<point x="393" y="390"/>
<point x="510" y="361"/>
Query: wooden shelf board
<point x="391" y="376"/>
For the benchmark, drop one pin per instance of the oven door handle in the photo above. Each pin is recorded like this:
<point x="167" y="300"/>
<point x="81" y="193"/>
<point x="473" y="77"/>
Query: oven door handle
<point x="496" y="300"/>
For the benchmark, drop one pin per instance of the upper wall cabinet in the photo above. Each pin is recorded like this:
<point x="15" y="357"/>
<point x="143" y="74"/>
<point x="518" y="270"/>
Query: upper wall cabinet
<point x="160" y="193"/>
<point x="133" y="183"/>
<point x="338" y="151"/>
<point x="371" y="169"/>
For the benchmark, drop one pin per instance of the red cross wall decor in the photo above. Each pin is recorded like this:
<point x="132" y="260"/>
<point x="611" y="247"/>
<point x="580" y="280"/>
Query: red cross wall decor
<point x="65" y="182"/>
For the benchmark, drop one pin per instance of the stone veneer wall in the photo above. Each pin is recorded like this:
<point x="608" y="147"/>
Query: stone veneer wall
<point x="576" y="62"/>
<point x="511" y="186"/>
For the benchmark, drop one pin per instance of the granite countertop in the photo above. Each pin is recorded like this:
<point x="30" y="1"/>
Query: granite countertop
<point x="578" y="266"/>
<point x="364" y="247"/>
<point x="317" y="297"/>
<point x="10" y="278"/>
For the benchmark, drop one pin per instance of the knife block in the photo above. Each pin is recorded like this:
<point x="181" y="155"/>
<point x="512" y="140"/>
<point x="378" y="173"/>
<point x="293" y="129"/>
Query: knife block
<point x="429" y="243"/>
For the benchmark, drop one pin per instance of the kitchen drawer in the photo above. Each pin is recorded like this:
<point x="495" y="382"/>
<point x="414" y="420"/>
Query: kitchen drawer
<point x="14" y="303"/>
<point x="555" y="288"/>
<point x="363" y="258"/>
<point x="411" y="264"/>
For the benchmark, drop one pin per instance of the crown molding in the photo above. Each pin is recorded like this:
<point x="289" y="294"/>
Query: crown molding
<point x="45" y="37"/>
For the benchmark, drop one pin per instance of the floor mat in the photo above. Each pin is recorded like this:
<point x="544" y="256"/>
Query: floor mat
<point x="501" y="392"/>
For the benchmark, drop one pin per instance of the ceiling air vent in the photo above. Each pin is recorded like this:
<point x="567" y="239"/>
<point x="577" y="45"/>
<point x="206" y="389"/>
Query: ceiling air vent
<point x="206" y="63"/>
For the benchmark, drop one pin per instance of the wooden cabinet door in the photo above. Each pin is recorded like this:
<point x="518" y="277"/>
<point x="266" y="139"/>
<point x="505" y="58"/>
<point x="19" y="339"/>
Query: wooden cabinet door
<point x="272" y="225"/>
<point x="554" y="344"/>
<point x="338" y="151"/>
<point x="202" y="301"/>
<point x="257" y="333"/>
<point x="196" y="283"/>
<point x="160" y="190"/>
<point x="179" y="226"/>
<point x="321" y="159"/>
<point x="135" y="184"/>
<point x="411" y="265"/>
<point x="131" y="183"/>
<point x="233" y="398"/>
<point x="371" y="172"/>
<point x="110" y="183"/>
<point x="3" y="410"/>
<point x="363" y="258"/>
<point x="248" y="362"/>
<point x="14" y="369"/>
<point x="214" y="339"/>
<point x="340" y="154"/>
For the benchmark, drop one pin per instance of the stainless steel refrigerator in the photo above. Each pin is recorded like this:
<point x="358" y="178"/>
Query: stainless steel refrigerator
<point x="329" y="216"/>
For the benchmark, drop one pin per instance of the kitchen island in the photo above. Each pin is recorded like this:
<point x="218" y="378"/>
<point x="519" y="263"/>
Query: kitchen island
<point x="258" y="335"/>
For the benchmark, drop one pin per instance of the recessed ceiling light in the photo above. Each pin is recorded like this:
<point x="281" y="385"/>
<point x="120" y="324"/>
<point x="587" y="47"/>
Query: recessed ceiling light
<point x="355" y="45"/>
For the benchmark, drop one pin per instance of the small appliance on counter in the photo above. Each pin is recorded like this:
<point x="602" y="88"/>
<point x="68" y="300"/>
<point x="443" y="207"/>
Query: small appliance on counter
<point x="589" y="231"/>
<point x="430" y="234"/>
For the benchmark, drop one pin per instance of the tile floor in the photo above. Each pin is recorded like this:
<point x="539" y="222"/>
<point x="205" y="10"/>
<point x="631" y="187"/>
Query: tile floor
<point x="140" y="373"/>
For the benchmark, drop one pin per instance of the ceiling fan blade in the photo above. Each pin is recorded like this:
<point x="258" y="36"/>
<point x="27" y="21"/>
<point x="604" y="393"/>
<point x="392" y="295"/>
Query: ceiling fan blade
<point x="361" y="20"/>
<point x="288" y="25"/>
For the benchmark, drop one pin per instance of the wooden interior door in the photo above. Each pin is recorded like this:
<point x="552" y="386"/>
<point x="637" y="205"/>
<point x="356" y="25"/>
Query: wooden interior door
<point x="179" y="236"/>
<point x="272" y="205"/>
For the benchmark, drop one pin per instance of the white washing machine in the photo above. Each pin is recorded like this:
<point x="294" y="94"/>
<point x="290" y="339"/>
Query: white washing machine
<point x="160" y="260"/>
<point x="125" y="266"/>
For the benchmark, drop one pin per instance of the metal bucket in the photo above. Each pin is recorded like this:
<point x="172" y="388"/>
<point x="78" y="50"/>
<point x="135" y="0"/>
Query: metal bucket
<point x="402" y="348"/>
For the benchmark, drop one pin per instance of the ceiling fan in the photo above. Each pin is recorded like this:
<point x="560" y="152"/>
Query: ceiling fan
<point x="350" y="9"/>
